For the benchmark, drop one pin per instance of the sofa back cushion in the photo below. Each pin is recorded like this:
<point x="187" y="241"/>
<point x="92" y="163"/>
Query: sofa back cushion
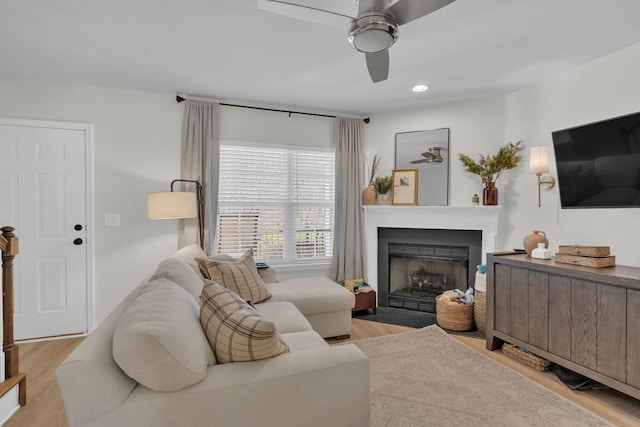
<point x="159" y="342"/>
<point x="234" y="329"/>
<point x="240" y="276"/>
<point x="178" y="271"/>
<point x="189" y="254"/>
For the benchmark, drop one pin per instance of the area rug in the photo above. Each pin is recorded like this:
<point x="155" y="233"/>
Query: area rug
<point x="427" y="378"/>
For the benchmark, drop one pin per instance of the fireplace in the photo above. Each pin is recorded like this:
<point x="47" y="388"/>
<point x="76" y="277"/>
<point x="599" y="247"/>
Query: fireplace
<point x="417" y="265"/>
<point x="481" y="220"/>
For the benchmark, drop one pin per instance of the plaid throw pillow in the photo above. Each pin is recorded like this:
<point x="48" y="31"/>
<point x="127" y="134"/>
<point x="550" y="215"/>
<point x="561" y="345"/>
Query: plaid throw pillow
<point x="236" y="331"/>
<point x="240" y="276"/>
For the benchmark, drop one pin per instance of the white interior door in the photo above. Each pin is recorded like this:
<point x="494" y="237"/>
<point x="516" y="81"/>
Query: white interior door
<point x="43" y="194"/>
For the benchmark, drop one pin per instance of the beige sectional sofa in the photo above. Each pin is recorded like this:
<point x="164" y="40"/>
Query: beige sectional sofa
<point x="313" y="384"/>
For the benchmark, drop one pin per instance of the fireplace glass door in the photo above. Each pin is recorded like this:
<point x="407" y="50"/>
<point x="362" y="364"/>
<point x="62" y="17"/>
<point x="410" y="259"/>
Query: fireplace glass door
<point x="419" y="273"/>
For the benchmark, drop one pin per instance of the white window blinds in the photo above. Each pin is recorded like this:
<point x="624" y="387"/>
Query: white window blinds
<point x="279" y="202"/>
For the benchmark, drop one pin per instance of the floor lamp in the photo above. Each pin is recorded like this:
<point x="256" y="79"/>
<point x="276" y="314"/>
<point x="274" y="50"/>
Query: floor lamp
<point x="178" y="204"/>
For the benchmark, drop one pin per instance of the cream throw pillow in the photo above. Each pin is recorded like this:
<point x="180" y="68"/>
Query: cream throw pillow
<point x="240" y="276"/>
<point x="158" y="340"/>
<point x="234" y="329"/>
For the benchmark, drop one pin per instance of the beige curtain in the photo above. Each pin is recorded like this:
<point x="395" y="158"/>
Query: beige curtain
<point x="200" y="161"/>
<point x="349" y="253"/>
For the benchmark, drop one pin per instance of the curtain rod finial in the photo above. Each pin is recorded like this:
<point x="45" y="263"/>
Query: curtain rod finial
<point x="179" y="99"/>
<point x="366" y="120"/>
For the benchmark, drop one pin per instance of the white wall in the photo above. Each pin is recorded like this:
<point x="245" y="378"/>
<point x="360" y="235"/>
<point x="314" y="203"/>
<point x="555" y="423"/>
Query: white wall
<point x="270" y="127"/>
<point x="136" y="151"/>
<point x="605" y="88"/>
<point x="476" y="126"/>
<point x="602" y="89"/>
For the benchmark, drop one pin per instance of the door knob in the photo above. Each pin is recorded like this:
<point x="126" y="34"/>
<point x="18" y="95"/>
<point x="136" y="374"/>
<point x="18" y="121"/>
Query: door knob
<point x="77" y="241"/>
<point x="77" y="227"/>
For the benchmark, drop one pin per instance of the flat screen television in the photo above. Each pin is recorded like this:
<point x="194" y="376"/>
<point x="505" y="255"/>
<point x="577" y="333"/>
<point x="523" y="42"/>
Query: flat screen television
<point x="598" y="164"/>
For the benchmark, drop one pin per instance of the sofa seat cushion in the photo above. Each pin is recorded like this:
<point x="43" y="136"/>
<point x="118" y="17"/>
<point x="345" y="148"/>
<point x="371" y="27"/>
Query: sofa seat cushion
<point x="303" y="341"/>
<point x="158" y="340"/>
<point x="284" y="315"/>
<point x="236" y="331"/>
<point x="240" y="276"/>
<point x="313" y="295"/>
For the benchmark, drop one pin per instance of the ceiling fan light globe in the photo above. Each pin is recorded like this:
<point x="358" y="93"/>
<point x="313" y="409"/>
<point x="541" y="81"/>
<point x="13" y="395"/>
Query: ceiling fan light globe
<point x="373" y="33"/>
<point x="371" y="41"/>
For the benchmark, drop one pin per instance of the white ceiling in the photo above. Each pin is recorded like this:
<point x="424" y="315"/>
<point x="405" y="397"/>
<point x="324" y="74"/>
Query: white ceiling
<point x="231" y="50"/>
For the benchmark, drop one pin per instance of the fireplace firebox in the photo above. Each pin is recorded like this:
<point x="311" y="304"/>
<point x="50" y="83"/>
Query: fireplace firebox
<point x="415" y="266"/>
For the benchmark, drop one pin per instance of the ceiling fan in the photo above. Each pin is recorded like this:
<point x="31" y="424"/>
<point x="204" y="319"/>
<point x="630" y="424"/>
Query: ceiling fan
<point x="372" y="24"/>
<point x="431" y="156"/>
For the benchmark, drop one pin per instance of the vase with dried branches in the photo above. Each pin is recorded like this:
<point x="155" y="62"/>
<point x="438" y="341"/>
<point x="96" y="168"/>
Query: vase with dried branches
<point x="489" y="168"/>
<point x="369" y="194"/>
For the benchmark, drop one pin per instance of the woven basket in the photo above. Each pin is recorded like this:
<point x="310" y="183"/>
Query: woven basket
<point x="455" y="317"/>
<point x="529" y="359"/>
<point x="480" y="310"/>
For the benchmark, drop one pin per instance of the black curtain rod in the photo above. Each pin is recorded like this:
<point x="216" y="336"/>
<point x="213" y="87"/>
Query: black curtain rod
<point x="180" y="99"/>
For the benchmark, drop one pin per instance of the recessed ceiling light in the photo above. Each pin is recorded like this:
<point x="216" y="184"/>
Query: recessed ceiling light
<point x="420" y="88"/>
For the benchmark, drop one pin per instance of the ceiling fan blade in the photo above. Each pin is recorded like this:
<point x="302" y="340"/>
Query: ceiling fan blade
<point x="307" y="10"/>
<point x="420" y="161"/>
<point x="408" y="10"/>
<point x="378" y="65"/>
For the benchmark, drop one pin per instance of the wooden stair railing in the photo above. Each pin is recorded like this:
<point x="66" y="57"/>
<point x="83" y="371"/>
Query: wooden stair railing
<point x="9" y="248"/>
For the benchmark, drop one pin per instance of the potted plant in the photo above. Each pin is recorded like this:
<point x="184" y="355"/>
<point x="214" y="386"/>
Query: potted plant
<point x="490" y="167"/>
<point x="382" y="184"/>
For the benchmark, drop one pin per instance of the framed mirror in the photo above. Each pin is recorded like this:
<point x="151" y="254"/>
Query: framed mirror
<point x="427" y="151"/>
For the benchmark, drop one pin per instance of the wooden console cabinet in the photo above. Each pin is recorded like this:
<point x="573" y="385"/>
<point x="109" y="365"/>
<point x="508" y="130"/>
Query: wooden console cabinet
<point x="585" y="319"/>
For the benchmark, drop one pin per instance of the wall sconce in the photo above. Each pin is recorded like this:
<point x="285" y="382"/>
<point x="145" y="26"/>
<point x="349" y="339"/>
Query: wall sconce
<point x="539" y="164"/>
<point x="178" y="204"/>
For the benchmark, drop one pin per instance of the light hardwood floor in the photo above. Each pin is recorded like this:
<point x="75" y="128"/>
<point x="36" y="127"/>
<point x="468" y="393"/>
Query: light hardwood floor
<point x="44" y="403"/>
<point x="45" y="407"/>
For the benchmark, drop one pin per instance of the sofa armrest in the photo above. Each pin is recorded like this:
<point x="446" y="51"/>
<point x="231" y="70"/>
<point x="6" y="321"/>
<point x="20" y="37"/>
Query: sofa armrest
<point x="318" y="387"/>
<point x="90" y="381"/>
<point x="268" y="274"/>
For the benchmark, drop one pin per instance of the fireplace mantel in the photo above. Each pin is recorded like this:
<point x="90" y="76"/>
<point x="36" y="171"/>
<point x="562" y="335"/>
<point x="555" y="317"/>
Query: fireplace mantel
<point x="482" y="218"/>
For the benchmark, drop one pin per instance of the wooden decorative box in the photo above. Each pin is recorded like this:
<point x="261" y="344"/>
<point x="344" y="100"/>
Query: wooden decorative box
<point x="586" y="261"/>
<point x="595" y="251"/>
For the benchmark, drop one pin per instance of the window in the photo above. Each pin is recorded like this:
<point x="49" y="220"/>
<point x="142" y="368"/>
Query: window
<point x="277" y="201"/>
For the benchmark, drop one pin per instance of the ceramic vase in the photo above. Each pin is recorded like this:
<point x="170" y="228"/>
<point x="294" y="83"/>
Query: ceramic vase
<point x="531" y="241"/>
<point x="383" y="199"/>
<point x="490" y="194"/>
<point x="369" y="196"/>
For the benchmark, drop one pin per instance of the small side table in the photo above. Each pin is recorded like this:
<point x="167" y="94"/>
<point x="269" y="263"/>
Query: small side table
<point x="365" y="301"/>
